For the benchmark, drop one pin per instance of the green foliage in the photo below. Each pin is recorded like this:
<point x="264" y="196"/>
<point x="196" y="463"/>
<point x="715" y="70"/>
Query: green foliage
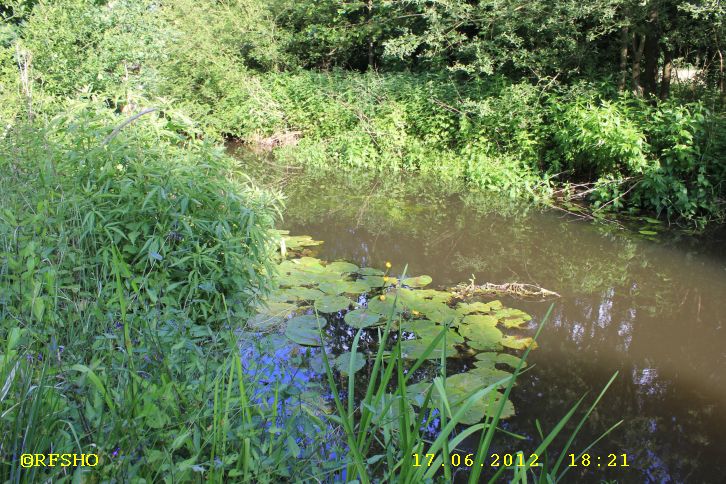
<point x="82" y="46"/>
<point x="183" y="230"/>
<point x="594" y="140"/>
<point x="687" y="181"/>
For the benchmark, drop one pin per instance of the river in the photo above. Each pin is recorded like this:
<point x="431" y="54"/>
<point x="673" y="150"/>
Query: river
<point x="650" y="307"/>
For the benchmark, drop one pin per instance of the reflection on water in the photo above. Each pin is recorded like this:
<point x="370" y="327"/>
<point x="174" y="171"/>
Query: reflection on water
<point x="652" y="310"/>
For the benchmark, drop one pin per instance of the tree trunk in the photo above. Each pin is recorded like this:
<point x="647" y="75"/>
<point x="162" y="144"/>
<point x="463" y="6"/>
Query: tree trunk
<point x="638" y="46"/>
<point x="720" y="72"/>
<point x="651" y="51"/>
<point x="665" y="82"/>
<point x="371" y="58"/>
<point x="623" y="58"/>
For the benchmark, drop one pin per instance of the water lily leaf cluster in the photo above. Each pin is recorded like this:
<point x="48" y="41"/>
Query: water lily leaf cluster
<point x="314" y="294"/>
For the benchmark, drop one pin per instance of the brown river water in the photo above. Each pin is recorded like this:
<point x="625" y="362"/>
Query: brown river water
<point x="652" y="308"/>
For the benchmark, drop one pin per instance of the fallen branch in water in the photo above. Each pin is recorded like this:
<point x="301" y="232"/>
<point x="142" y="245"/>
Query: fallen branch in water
<point x="510" y="288"/>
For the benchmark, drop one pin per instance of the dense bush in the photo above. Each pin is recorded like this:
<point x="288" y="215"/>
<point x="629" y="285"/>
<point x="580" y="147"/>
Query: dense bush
<point x="172" y="221"/>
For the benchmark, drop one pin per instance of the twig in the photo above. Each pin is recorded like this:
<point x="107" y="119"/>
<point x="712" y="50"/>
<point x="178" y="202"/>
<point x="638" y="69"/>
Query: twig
<point x="126" y="123"/>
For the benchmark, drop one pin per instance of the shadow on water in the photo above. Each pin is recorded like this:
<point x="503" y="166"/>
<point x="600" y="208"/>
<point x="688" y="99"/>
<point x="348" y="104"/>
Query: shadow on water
<point x="649" y="307"/>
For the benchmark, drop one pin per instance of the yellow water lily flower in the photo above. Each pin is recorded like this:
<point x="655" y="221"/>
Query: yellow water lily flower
<point x="385" y="278"/>
<point x="388" y="265"/>
<point x="382" y="297"/>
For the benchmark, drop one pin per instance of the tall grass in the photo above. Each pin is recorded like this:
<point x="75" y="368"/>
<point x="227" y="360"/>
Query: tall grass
<point x="383" y="436"/>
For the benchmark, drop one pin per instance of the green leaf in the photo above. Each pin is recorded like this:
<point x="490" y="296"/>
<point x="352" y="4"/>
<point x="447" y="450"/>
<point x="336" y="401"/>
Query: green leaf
<point x="303" y="330"/>
<point x="362" y="318"/>
<point x="332" y="304"/>
<point x="418" y="281"/>
<point x="342" y="362"/>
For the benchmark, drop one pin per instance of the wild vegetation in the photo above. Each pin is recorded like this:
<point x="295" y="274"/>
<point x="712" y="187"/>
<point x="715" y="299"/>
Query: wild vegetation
<point x="136" y="258"/>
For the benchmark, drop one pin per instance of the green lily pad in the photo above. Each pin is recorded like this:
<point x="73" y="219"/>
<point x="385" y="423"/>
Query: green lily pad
<point x="481" y="336"/>
<point x="490" y="359"/>
<point x="332" y="304"/>
<point x="292" y="280"/>
<point x="489" y="375"/>
<point x="264" y="321"/>
<point x="415" y="348"/>
<point x="384" y="307"/>
<point x="333" y="287"/>
<point x="300" y="241"/>
<point x="303" y="330"/>
<point x="415" y="298"/>
<point x="305" y="293"/>
<point x="342" y="267"/>
<point x="470" y="308"/>
<point x="458" y="388"/>
<point x="342" y="362"/>
<point x="427" y="331"/>
<point x="512" y="318"/>
<point x="436" y="312"/>
<point x="295" y="294"/>
<point x="321" y="277"/>
<point x="378" y="281"/>
<point x="418" y="281"/>
<point x="370" y="271"/>
<point x="495" y="305"/>
<point x="480" y="320"/>
<point x="362" y="318"/>
<point x="518" y="343"/>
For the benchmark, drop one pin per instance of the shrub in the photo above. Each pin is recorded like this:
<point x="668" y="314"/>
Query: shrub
<point x="166" y="216"/>
<point x="594" y="140"/>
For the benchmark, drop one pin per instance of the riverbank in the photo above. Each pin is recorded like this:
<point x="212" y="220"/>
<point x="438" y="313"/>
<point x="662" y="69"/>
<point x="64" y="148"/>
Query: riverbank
<point x="579" y="144"/>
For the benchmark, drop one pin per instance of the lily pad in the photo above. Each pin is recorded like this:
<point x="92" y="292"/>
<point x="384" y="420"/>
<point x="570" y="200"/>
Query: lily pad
<point x="384" y="307"/>
<point x="342" y="362"/>
<point x="489" y="375"/>
<point x="427" y="330"/>
<point x="490" y="359"/>
<point x="362" y="318"/>
<point x="480" y="320"/>
<point x="295" y="294"/>
<point x="518" y="343"/>
<point x="264" y="321"/>
<point x="482" y="336"/>
<point x="512" y="318"/>
<point x="342" y="267"/>
<point x="415" y="348"/>
<point x="308" y="264"/>
<point x="418" y="281"/>
<point x="305" y="293"/>
<point x="470" y="308"/>
<point x="303" y="330"/>
<point x="300" y="241"/>
<point x="333" y="287"/>
<point x="370" y="271"/>
<point x="458" y="388"/>
<point x="437" y="312"/>
<point x="332" y="304"/>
